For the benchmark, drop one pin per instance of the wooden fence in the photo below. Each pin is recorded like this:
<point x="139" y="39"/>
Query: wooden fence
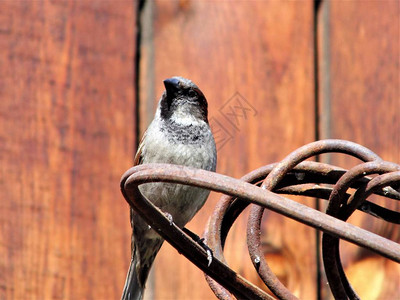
<point x="79" y="82"/>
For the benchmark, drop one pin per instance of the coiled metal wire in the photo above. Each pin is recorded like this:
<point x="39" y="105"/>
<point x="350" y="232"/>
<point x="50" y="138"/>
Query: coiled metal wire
<point x="263" y="188"/>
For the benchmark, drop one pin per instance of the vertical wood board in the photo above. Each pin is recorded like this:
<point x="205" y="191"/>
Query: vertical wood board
<point x="254" y="62"/>
<point x="66" y="136"/>
<point x="360" y="101"/>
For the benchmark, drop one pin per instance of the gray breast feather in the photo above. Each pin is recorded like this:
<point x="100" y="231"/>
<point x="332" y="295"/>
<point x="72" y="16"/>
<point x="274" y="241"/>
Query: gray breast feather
<point x="181" y="201"/>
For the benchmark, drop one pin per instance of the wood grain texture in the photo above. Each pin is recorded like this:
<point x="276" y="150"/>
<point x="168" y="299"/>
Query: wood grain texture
<point x="254" y="54"/>
<point x="66" y="136"/>
<point x="360" y="101"/>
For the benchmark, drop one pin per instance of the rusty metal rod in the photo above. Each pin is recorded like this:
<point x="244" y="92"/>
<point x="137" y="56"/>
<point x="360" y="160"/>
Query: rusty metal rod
<point x="237" y="188"/>
<point x="135" y="176"/>
<point x="271" y="182"/>
<point x="292" y="176"/>
<point x="336" y="276"/>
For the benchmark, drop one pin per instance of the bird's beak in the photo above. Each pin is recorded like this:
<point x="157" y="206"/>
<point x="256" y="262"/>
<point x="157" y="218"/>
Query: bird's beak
<point x="172" y="86"/>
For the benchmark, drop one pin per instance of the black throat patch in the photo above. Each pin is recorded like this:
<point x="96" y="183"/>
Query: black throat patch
<point x="187" y="134"/>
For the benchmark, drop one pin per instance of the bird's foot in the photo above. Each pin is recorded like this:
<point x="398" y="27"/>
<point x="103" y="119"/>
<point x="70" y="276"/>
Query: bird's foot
<point x="169" y="217"/>
<point x="202" y="244"/>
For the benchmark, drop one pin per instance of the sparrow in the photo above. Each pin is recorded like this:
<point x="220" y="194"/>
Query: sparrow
<point x="179" y="134"/>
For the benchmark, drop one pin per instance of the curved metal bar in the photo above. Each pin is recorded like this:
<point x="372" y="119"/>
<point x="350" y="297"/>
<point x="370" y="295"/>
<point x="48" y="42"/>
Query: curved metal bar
<point x="316" y="191"/>
<point x="359" y="171"/>
<point x="377" y="183"/>
<point x="216" y="225"/>
<point x="336" y="276"/>
<point x="137" y="175"/>
<point x="292" y="176"/>
<point x="270" y="183"/>
<point x="317" y="148"/>
<point x="243" y="190"/>
<point x="229" y="208"/>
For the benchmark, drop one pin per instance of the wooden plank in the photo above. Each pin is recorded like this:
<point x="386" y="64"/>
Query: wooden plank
<point x="254" y="53"/>
<point x="360" y="101"/>
<point x="66" y="136"/>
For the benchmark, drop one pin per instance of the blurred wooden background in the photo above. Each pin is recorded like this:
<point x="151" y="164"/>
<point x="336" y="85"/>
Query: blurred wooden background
<point x="77" y="90"/>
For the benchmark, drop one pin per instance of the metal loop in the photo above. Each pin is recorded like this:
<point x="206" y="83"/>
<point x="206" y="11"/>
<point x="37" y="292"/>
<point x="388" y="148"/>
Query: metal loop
<point x="293" y="176"/>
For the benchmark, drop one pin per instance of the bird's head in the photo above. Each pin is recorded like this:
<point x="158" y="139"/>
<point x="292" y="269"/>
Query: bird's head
<point x="182" y="101"/>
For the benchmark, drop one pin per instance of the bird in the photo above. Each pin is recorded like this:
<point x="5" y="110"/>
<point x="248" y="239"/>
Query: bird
<point x="179" y="134"/>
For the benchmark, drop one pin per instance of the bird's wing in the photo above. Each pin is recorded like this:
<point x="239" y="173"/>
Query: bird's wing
<point x="138" y="157"/>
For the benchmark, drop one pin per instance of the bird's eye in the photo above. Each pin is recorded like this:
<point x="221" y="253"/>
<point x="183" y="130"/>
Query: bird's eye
<point x="192" y="94"/>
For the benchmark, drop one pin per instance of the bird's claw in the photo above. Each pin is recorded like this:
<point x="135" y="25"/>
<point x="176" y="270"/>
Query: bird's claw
<point x="202" y="244"/>
<point x="169" y="217"/>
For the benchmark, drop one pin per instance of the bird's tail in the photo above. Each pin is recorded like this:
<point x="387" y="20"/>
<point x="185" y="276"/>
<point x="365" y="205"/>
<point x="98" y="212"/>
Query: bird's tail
<point x="143" y="253"/>
<point x="133" y="290"/>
